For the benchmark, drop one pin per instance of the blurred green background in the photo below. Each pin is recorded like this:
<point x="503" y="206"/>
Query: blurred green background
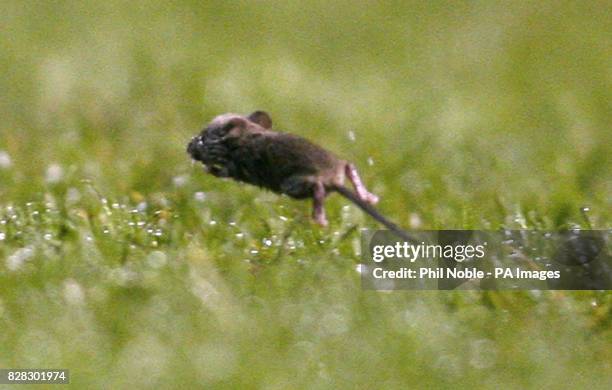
<point x="124" y="262"/>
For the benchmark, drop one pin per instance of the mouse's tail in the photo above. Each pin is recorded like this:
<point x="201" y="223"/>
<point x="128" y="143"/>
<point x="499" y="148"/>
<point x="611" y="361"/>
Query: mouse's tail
<point x="369" y="209"/>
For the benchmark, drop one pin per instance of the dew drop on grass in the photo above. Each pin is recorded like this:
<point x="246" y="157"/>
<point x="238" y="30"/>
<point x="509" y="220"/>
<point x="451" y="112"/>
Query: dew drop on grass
<point x="5" y="160"/>
<point x="18" y="258"/>
<point x="121" y="276"/>
<point x="2" y="236"/>
<point x="239" y="235"/>
<point x="415" y="221"/>
<point x="267" y="242"/>
<point x="356" y="245"/>
<point x="73" y="195"/>
<point x="157" y="259"/>
<point x="199" y="196"/>
<point x="73" y="292"/>
<point x="291" y="243"/>
<point x="370" y="161"/>
<point x="180" y="181"/>
<point x="535" y="293"/>
<point x="585" y="209"/>
<point x="54" y="173"/>
<point x="48" y="236"/>
<point x="351" y="136"/>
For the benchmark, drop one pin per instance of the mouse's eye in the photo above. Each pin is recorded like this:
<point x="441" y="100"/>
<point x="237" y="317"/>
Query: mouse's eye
<point x="228" y="126"/>
<point x="218" y="131"/>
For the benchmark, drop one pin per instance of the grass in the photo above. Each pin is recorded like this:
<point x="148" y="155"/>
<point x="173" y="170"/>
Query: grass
<point x="125" y="263"/>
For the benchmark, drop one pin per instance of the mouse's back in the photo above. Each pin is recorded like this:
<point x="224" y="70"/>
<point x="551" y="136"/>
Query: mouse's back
<point x="271" y="158"/>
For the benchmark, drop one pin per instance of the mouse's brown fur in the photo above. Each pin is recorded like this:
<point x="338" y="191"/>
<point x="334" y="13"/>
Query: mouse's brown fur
<point x="246" y="149"/>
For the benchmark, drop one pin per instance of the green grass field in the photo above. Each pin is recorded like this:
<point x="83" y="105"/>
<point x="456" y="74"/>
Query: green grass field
<point x="124" y="262"/>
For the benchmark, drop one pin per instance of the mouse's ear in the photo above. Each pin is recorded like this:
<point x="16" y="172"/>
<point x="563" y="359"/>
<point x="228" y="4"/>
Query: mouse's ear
<point x="261" y="118"/>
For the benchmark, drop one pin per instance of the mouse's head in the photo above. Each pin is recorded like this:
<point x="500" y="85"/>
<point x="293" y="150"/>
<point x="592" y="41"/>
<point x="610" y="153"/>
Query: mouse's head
<point x="227" y="126"/>
<point x="235" y="124"/>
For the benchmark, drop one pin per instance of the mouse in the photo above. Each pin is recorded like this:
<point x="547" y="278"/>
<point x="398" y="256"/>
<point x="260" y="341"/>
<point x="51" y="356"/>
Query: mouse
<point x="245" y="148"/>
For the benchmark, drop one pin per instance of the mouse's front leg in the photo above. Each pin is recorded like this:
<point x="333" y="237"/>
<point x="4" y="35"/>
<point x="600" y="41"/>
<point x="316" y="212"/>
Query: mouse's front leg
<point x="218" y="170"/>
<point x="318" y="210"/>
<point x="362" y="192"/>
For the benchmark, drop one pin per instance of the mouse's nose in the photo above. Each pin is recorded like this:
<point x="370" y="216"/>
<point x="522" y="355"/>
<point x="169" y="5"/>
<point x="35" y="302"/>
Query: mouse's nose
<point x="192" y="148"/>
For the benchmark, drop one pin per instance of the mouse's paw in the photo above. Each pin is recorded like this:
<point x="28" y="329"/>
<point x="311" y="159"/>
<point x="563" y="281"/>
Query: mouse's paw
<point x="371" y="198"/>
<point x="321" y="220"/>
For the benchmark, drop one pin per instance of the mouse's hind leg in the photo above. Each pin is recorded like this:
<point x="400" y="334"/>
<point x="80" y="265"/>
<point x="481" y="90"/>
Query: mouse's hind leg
<point x="301" y="187"/>
<point x="362" y="192"/>
<point x="318" y="209"/>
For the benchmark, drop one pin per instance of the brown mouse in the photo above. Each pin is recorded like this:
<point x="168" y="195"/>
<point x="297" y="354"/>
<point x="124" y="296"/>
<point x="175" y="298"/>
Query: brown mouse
<point x="245" y="148"/>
